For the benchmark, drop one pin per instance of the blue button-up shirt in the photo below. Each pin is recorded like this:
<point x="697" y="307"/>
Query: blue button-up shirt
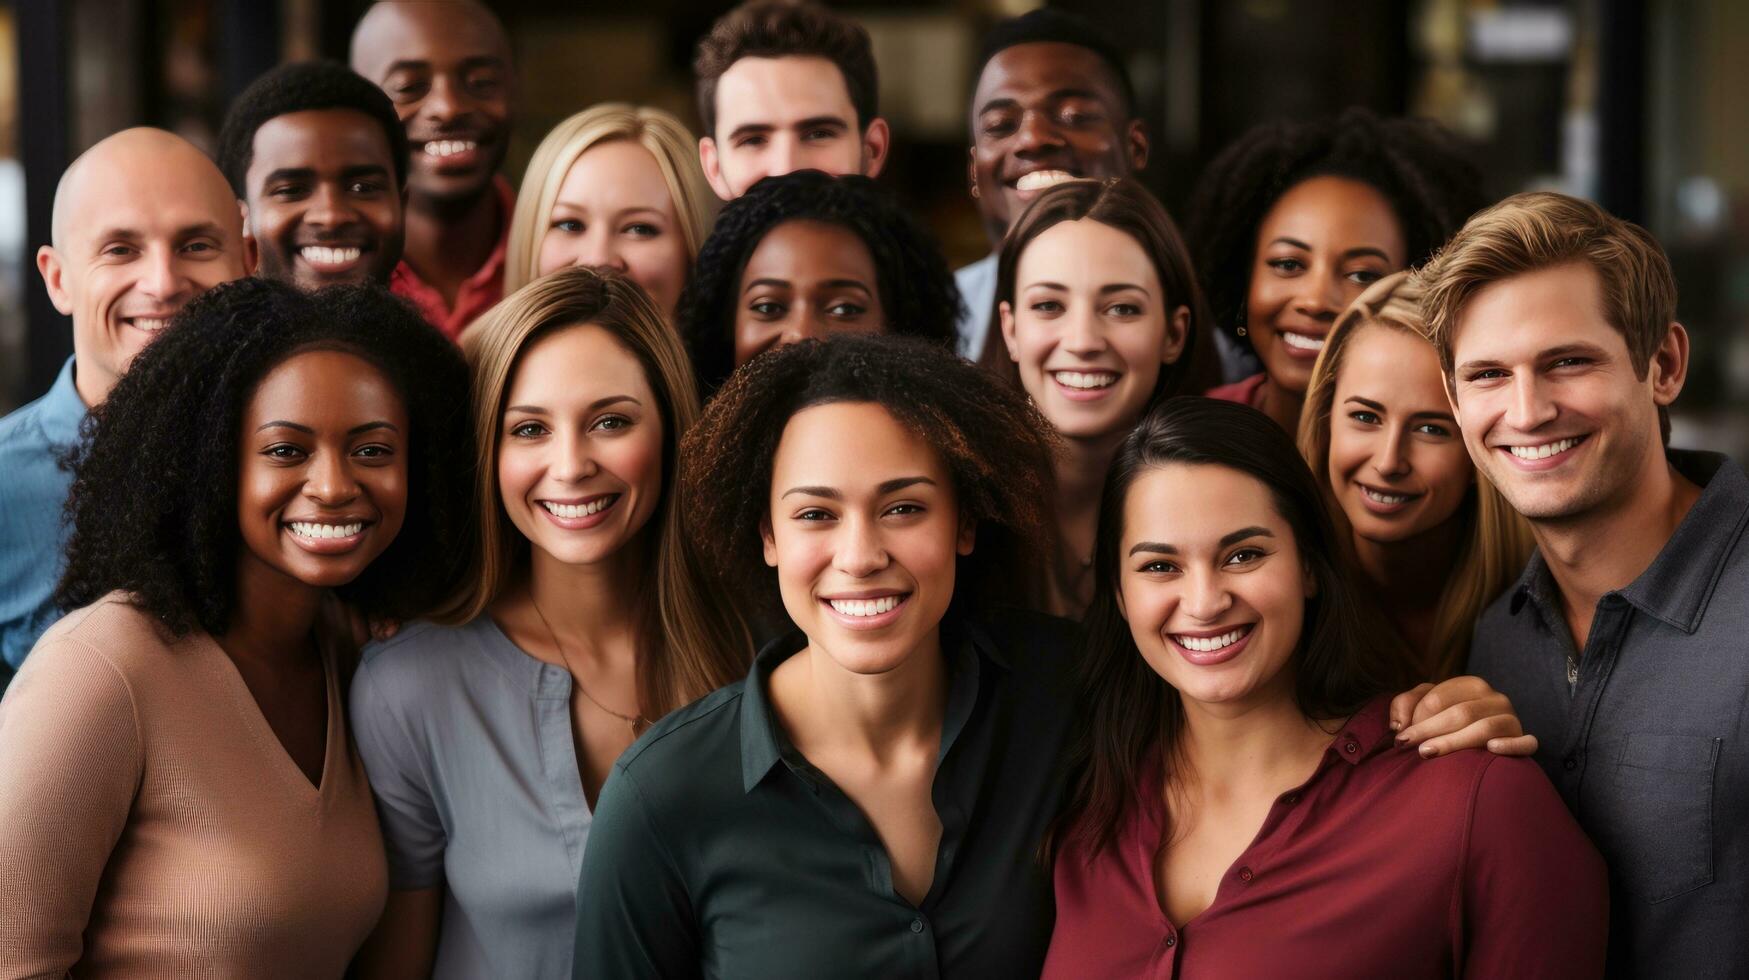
<point x="1648" y="742"/>
<point x="33" y="536"/>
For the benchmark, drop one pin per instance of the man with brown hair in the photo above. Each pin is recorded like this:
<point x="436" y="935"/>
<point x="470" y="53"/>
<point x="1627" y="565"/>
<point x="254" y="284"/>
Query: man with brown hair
<point x="1621" y="646"/>
<point x="784" y="87"/>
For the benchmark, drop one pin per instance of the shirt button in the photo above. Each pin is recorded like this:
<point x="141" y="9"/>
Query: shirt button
<point x="917" y="925"/>
<point x="1171" y="941"/>
<point x="1245" y="874"/>
<point x="1351" y="746"/>
<point x="1569" y="763"/>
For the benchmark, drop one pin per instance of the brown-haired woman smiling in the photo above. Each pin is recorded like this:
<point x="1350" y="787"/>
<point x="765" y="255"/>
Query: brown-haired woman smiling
<point x="177" y="776"/>
<point x="487" y="733"/>
<point x="1238" y="809"/>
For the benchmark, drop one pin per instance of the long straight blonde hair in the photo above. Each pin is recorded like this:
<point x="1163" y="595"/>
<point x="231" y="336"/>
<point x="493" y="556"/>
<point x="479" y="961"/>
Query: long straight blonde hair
<point x="690" y="640"/>
<point x="666" y="138"/>
<point x="1497" y="542"/>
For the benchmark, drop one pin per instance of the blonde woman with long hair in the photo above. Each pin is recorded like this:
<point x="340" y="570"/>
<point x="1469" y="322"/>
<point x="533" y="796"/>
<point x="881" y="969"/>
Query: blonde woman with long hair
<point x="1432" y="536"/>
<point x="488" y="730"/>
<point x="616" y="186"/>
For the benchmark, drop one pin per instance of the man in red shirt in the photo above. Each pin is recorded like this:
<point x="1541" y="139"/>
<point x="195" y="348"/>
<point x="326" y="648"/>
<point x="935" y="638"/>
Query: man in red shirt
<point x="447" y="68"/>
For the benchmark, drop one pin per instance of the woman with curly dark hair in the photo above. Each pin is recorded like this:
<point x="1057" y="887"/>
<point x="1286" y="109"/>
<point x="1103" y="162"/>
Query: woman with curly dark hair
<point x="807" y="255"/>
<point x="867" y="802"/>
<point x="1296" y="219"/>
<point x="177" y="777"/>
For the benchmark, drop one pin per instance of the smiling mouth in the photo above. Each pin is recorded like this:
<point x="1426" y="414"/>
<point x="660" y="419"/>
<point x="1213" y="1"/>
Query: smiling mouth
<point x="1039" y="180"/>
<point x="150" y="324"/>
<point x="1302" y="341"/>
<point x="317" y="531"/>
<point x="444" y="149"/>
<point x="1386" y="499"/>
<point x="1212" y="644"/>
<point x="1545" y="450"/>
<point x="1085" y="380"/>
<point x="325" y="257"/>
<point x="587" y="508"/>
<point x="869" y="607"/>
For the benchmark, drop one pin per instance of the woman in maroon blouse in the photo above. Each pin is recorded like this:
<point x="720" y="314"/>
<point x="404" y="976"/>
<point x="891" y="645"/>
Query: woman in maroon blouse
<point x="1240" y="807"/>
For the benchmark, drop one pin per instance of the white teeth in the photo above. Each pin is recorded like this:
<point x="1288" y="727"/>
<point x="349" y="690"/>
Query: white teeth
<point x="149" y="323"/>
<point x="1543" y="451"/>
<point x="320" y="255"/>
<point x="1085" y="379"/>
<point x="865" y="607"/>
<point x="1038" y="180"/>
<point x="1209" y="644"/>
<point x="595" y="506"/>
<point x="1300" y="341"/>
<point x="1383" y="498"/>
<point x="306" y="529"/>
<point x="448" y="148"/>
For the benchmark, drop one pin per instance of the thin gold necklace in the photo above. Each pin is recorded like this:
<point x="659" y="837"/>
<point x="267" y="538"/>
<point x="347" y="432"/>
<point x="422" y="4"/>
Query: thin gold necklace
<point x="633" y="720"/>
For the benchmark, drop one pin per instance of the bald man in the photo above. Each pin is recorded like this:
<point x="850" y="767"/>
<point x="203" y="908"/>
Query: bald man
<point x="446" y="66"/>
<point x="143" y="222"/>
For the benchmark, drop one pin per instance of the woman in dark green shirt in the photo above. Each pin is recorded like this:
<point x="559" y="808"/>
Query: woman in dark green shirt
<point x="867" y="801"/>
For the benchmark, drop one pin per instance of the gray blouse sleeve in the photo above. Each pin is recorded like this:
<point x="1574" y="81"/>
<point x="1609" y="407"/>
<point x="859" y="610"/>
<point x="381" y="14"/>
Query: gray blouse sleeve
<point x="399" y="772"/>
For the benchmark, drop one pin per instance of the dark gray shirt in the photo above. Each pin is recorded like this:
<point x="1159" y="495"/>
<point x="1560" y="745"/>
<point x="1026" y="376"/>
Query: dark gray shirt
<point x="1648" y="746"/>
<point x="719" y="851"/>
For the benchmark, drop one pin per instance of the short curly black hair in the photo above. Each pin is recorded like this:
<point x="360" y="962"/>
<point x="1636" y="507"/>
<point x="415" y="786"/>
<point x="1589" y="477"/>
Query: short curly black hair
<point x="998" y="448"/>
<point x="154" y="499"/>
<point x="300" y="87"/>
<point x="1419" y="167"/>
<point x="917" y="290"/>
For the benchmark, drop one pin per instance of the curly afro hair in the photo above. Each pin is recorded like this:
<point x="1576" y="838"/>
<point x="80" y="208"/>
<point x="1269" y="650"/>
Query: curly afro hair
<point x="154" y="499"/>
<point x="300" y="87"/>
<point x="916" y="287"/>
<point x="1419" y="167"/>
<point x="998" y="448"/>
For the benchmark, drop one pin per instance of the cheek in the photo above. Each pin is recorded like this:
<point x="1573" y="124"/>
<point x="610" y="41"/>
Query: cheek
<point x="555" y="254"/>
<point x="519" y="469"/>
<point x="637" y="461"/>
<point x="660" y="267"/>
<point x="388" y="490"/>
<point x="1348" y="451"/>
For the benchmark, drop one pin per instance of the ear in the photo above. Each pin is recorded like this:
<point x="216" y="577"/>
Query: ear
<point x="48" y="262"/>
<point x="1177" y="334"/>
<point x="768" y="543"/>
<point x="1006" y="312"/>
<point x="251" y="247"/>
<point x="1668" y="369"/>
<point x="968" y="535"/>
<point x="877" y="139"/>
<point x="1136" y="142"/>
<point x="713" y="171"/>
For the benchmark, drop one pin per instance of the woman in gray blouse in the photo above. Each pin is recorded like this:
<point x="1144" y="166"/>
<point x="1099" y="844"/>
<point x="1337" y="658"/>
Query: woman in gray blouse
<point x="487" y="731"/>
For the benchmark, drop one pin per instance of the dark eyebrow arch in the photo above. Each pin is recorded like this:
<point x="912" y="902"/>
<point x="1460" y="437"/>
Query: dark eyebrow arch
<point x="306" y="430"/>
<point x="595" y="405"/>
<point x="1155" y="547"/>
<point x="1365" y="250"/>
<point x="774" y="283"/>
<point x="289" y="173"/>
<point x="369" y="426"/>
<point x="752" y="129"/>
<point x="889" y="486"/>
<point x="203" y="228"/>
<point x="283" y="424"/>
<point x="365" y="170"/>
<point x="1567" y="350"/>
<point x="1296" y="243"/>
<point x="837" y="121"/>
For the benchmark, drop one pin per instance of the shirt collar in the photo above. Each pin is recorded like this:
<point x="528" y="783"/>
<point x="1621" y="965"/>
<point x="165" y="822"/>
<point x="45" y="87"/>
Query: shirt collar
<point x="763" y="743"/>
<point x="61" y="409"/>
<point x="1366" y="733"/>
<point x="494" y="263"/>
<point x="1676" y="587"/>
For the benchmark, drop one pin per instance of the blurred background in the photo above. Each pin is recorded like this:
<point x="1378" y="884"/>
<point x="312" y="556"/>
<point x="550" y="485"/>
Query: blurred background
<point x="1637" y="104"/>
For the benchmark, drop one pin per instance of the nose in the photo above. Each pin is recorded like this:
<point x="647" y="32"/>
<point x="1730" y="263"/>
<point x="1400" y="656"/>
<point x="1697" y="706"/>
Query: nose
<point x="860" y="551"/>
<point x="1036" y="134"/>
<point x="443" y="102"/>
<point x="1082" y="332"/>
<point x="572" y="461"/>
<point x="1530" y="406"/>
<point x="785" y="155"/>
<point x="162" y="276"/>
<point x="806" y="321"/>
<point x="328" y="206"/>
<point x="330" y="481"/>
<point x="1322" y="296"/>
<point x="1390" y="459"/>
<point x="600" y="251"/>
<point x="1205" y="597"/>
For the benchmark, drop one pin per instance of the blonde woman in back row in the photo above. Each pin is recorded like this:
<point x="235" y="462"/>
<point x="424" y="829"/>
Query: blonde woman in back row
<point x="616" y="186"/>
<point x="1432" y="536"/>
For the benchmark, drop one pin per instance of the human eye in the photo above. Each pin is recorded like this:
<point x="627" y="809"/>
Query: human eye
<point x="1364" y="417"/>
<point x="1245" y="556"/>
<point x="642" y="229"/>
<point x="483" y="82"/>
<point x="766" y="309"/>
<point x="846" y="310"/>
<point x="813" y="515"/>
<point x="376" y="452"/>
<point x="283" y="452"/>
<point x="365" y="187"/>
<point x="1485" y="375"/>
<point x="904" y="510"/>
<point x="820" y="134"/>
<point x="751" y="141"/>
<point x="287" y="191"/>
<point x="1080" y="114"/>
<point x="1125" y="310"/>
<point x="528" y="430"/>
<point x="1433" y="429"/>
<point x="119" y="250"/>
<point x="612" y="423"/>
<point x="998" y="124"/>
<point x="1158" y="566"/>
<point x="1365" y="277"/>
<point x="1572" y="360"/>
<point x="570" y="226"/>
<point x="1046" y="307"/>
<point x="200" y="246"/>
<point x="1286" y="265"/>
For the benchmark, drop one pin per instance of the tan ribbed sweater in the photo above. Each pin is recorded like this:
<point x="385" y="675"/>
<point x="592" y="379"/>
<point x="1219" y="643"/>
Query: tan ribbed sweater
<point x="152" y="825"/>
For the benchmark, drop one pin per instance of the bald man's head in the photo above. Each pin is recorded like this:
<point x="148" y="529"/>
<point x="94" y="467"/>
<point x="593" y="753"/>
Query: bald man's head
<point x="142" y="223"/>
<point x="446" y="65"/>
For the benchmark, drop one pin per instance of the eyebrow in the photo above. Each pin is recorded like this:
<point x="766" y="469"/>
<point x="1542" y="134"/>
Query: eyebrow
<point x="1155" y="547"/>
<point x="595" y="405"/>
<point x="890" y="486"/>
<point x="1380" y="408"/>
<point x="187" y="231"/>
<point x="420" y="64"/>
<point x="1351" y="253"/>
<point x="306" y="430"/>
<point x="830" y="283"/>
<point x="307" y="173"/>
<point x="1552" y="353"/>
<point x="1007" y="101"/>
<point x="1116" y="287"/>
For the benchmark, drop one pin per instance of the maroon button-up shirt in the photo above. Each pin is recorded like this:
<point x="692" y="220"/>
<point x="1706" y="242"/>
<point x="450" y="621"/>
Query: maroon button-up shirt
<point x="478" y="293"/>
<point x="1381" y="865"/>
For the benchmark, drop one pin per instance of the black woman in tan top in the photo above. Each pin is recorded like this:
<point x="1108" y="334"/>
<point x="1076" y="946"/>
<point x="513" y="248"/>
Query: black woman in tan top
<point x="179" y="790"/>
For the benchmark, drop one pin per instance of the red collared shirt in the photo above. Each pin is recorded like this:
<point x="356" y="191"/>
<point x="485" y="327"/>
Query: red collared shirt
<point x="478" y="293"/>
<point x="1381" y="865"/>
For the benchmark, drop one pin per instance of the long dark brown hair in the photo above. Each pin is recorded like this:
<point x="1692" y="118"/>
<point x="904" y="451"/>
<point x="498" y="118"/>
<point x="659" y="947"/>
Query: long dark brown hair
<point x="1122" y="203"/>
<point x="1128" y="715"/>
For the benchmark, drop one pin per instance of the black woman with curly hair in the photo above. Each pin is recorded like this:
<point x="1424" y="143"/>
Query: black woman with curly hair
<point x="1296" y="219"/>
<point x="807" y="255"/>
<point x="177" y="778"/>
<point x="868" y="801"/>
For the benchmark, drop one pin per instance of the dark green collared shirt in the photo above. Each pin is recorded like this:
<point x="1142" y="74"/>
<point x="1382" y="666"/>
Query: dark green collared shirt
<point x="719" y="851"/>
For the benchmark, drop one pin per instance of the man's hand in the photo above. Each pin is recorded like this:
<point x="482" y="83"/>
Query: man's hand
<point x="1461" y="713"/>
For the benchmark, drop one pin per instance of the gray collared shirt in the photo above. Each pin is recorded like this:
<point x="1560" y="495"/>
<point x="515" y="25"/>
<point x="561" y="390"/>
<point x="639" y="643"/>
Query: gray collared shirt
<point x="1647" y="745"/>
